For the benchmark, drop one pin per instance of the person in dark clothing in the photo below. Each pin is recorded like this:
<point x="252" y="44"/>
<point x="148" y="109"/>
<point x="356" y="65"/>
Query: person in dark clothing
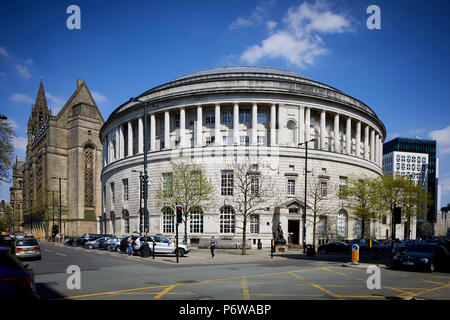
<point x="212" y="246"/>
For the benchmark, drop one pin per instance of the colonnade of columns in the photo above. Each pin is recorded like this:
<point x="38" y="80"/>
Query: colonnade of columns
<point x="367" y="140"/>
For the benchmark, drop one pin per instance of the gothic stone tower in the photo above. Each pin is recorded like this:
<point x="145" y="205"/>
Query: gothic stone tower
<point x="65" y="148"/>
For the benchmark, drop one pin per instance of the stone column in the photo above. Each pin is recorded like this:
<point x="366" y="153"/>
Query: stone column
<point x="273" y="125"/>
<point x="254" y="130"/>
<point x="166" y="129"/>
<point x="152" y="132"/>
<point x="182" y="143"/>
<point x="322" y="130"/>
<point x="199" y="133"/>
<point x="348" y="136"/>
<point x="117" y="154"/>
<point x="130" y="139"/>
<point x="217" y="134"/>
<point x="381" y="151"/>
<point x="301" y="122"/>
<point x="121" y="143"/>
<point x="366" y="142"/>
<point x="236" y="124"/>
<point x="140" y="135"/>
<point x="337" y="145"/>
<point x="358" y="139"/>
<point x="372" y="145"/>
<point x="377" y="148"/>
<point x="307" y="125"/>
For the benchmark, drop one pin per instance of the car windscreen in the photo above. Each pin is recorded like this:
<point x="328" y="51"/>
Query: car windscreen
<point x="29" y="242"/>
<point x="422" y="248"/>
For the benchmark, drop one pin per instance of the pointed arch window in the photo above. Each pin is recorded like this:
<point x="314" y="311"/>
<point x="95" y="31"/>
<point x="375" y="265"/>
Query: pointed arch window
<point x="88" y="154"/>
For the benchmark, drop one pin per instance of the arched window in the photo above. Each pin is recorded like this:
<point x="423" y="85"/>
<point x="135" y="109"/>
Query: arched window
<point x="342" y="223"/>
<point x="291" y="133"/>
<point x="126" y="221"/>
<point x="168" y="220"/>
<point x="88" y="153"/>
<point x="227" y="220"/>
<point x="196" y="221"/>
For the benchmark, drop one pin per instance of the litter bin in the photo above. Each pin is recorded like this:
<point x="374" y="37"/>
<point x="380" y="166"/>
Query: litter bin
<point x="310" y="250"/>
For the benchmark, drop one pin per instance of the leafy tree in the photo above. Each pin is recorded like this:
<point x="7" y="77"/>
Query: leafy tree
<point x="253" y="191"/>
<point x="360" y="196"/>
<point x="414" y="203"/>
<point x="6" y="148"/>
<point x="186" y="185"/>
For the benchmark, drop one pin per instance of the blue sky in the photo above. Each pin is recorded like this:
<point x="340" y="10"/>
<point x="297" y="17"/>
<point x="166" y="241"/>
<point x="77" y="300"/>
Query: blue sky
<point x="126" y="47"/>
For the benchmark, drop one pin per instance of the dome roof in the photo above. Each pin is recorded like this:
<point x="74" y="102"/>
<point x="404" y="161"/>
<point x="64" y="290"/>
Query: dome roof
<point x="241" y="69"/>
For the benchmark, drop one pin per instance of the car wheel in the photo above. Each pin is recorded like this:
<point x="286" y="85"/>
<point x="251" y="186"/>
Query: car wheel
<point x="180" y="252"/>
<point x="431" y="267"/>
<point x="118" y="249"/>
<point x="91" y="246"/>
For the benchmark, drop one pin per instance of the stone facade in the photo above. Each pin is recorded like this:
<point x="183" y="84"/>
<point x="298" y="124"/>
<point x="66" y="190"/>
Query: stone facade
<point x="258" y="115"/>
<point x="16" y="195"/>
<point x="63" y="151"/>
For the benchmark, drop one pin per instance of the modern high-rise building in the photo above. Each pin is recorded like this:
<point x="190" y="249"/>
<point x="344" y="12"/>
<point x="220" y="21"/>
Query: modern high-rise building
<point x="415" y="158"/>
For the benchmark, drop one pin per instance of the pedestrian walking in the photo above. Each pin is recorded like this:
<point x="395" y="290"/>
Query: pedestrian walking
<point x="212" y="246"/>
<point x="58" y="236"/>
<point x="130" y="246"/>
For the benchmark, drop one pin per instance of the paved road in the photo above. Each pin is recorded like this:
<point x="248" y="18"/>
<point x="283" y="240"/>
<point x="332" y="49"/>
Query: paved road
<point x="107" y="275"/>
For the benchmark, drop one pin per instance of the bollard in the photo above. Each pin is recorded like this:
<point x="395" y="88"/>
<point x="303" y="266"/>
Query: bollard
<point x="355" y="254"/>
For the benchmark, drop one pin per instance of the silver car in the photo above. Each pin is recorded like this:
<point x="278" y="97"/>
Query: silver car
<point x="162" y="245"/>
<point x="27" y="248"/>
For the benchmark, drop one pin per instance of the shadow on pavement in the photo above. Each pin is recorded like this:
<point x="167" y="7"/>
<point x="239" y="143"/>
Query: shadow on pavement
<point x="375" y="258"/>
<point x="45" y="291"/>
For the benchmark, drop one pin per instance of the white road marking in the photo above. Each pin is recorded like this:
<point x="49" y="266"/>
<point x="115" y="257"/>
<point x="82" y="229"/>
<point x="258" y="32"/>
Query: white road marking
<point x="48" y="250"/>
<point x="61" y="254"/>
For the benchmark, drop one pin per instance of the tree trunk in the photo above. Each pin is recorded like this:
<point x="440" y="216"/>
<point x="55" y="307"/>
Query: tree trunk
<point x="363" y="224"/>
<point x="244" y="235"/>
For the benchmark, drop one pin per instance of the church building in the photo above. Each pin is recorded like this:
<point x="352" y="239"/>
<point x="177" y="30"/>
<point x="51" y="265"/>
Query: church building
<point x="61" y="172"/>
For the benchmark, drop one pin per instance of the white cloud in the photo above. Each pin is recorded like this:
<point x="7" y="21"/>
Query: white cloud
<point x="98" y="97"/>
<point x="442" y="138"/>
<point x="241" y="22"/>
<point x="21" y="98"/>
<point x="298" y="41"/>
<point x="255" y="18"/>
<point x="3" y="52"/>
<point x="20" y="144"/>
<point x="23" y="71"/>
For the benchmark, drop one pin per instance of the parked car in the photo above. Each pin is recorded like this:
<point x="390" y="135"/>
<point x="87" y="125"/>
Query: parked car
<point x="336" y="246"/>
<point x="363" y="245"/>
<point x="16" y="280"/>
<point x="163" y="245"/>
<point x="94" y="244"/>
<point x="6" y="241"/>
<point x="27" y="248"/>
<point x="386" y="245"/>
<point x="425" y="256"/>
<point x="108" y="242"/>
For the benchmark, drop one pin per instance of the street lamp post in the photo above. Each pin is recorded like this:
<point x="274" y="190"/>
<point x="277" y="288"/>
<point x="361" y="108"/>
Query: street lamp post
<point x="306" y="191"/>
<point x="141" y="225"/>
<point x="146" y="251"/>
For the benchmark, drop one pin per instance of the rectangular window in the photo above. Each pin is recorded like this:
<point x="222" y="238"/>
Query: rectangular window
<point x="196" y="222"/>
<point x="342" y="186"/>
<point x="262" y="117"/>
<point x="210" y="118"/>
<point x="125" y="189"/>
<point x="261" y="140"/>
<point x="254" y="223"/>
<point x="210" y="140"/>
<point x="244" y="140"/>
<point x="227" y="140"/>
<point x="177" y="120"/>
<point x="323" y="189"/>
<point x="113" y="195"/>
<point x="254" y="187"/>
<point x="167" y="183"/>
<point x="227" y="117"/>
<point x="291" y="187"/>
<point x="244" y="115"/>
<point x="227" y="183"/>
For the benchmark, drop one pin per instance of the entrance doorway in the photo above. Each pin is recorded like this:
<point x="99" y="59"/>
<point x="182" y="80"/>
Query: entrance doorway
<point x="294" y="231"/>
